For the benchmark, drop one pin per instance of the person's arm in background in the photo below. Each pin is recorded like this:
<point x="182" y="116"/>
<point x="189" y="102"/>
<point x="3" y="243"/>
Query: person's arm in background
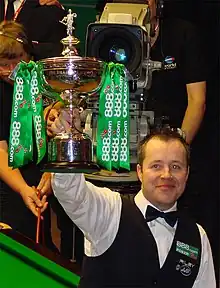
<point x="194" y="68"/>
<point x="50" y="3"/>
<point x="14" y="179"/>
<point x="195" y="109"/>
<point x="46" y="2"/>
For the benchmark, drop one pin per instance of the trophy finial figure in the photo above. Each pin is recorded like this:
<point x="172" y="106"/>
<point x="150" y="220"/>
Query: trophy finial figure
<point x="68" y="21"/>
<point x="70" y="40"/>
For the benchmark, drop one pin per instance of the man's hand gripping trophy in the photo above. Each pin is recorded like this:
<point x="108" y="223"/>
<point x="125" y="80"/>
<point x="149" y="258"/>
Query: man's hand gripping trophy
<point x="59" y="120"/>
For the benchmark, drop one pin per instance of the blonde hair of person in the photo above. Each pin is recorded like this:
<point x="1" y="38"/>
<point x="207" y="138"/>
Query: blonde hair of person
<point x="13" y="40"/>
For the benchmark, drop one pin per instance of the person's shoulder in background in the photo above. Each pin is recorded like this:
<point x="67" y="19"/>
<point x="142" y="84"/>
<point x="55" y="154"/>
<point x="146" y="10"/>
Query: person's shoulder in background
<point x="180" y="26"/>
<point x="47" y="31"/>
<point x="46" y="12"/>
<point x="187" y="38"/>
<point x="44" y="20"/>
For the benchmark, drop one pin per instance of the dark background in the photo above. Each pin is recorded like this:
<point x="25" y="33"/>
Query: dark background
<point x="201" y="198"/>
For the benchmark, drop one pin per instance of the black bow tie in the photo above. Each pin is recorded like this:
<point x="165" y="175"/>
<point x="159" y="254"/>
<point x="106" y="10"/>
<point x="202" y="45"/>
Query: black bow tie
<point x="169" y="217"/>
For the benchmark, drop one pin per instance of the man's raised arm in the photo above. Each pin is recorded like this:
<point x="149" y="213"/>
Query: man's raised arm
<point x="96" y="211"/>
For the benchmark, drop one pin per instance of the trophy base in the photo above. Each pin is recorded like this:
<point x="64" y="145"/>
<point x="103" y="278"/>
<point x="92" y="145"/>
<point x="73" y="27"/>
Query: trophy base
<point x="71" y="167"/>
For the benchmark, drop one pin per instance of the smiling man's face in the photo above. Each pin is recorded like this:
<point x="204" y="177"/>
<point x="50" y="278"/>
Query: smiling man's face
<point x="164" y="172"/>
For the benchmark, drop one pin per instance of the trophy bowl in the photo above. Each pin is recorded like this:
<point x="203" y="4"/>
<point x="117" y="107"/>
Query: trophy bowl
<point x="73" y="73"/>
<point x="75" y="78"/>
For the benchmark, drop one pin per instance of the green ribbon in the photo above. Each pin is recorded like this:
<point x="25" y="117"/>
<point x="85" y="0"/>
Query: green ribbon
<point x="113" y="119"/>
<point x="27" y="109"/>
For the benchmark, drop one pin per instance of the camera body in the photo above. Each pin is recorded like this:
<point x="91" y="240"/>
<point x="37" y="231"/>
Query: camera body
<point x="121" y="43"/>
<point x="122" y="35"/>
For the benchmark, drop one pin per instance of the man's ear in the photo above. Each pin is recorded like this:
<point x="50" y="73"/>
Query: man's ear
<point x="139" y="172"/>
<point x="187" y="173"/>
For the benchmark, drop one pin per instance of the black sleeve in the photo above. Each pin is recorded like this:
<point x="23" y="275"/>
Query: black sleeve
<point x="193" y="62"/>
<point x="6" y="91"/>
<point x="49" y="32"/>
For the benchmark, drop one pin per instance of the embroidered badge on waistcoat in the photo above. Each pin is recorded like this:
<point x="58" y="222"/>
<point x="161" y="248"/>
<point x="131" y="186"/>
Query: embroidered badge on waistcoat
<point x="184" y="267"/>
<point x="187" y="250"/>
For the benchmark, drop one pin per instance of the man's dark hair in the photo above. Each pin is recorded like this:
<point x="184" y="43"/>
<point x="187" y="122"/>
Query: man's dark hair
<point x="163" y="134"/>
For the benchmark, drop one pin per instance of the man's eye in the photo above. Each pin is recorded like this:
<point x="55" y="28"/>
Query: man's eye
<point x="155" y="166"/>
<point x="176" y="167"/>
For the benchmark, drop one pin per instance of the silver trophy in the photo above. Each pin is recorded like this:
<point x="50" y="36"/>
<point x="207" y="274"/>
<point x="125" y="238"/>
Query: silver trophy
<point x="75" y="78"/>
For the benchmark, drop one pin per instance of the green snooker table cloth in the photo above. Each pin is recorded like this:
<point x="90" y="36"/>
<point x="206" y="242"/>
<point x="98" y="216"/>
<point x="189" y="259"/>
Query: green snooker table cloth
<point x="24" y="264"/>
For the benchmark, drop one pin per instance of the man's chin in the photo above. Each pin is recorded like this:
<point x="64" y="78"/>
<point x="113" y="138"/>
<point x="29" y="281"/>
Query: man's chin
<point x="167" y="199"/>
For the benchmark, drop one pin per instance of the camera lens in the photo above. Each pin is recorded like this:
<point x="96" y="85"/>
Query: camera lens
<point x="115" y="49"/>
<point x="116" y="43"/>
<point x="118" y="55"/>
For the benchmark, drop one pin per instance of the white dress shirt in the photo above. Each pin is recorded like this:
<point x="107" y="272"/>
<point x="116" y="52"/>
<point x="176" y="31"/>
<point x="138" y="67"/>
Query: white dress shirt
<point x="96" y="211"/>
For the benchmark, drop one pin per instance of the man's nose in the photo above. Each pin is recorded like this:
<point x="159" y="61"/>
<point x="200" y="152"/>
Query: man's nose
<point x="166" y="173"/>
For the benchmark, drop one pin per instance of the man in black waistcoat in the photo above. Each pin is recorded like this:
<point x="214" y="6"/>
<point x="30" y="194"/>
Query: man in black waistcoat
<point x="145" y="242"/>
